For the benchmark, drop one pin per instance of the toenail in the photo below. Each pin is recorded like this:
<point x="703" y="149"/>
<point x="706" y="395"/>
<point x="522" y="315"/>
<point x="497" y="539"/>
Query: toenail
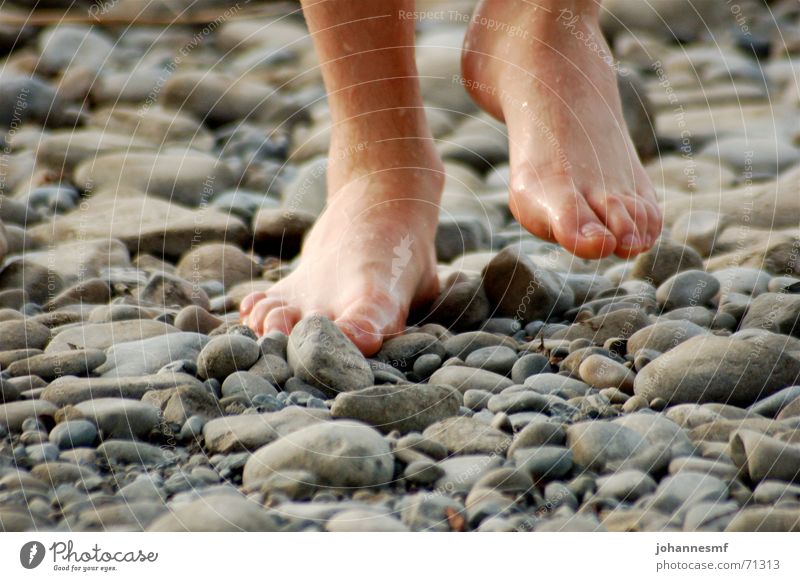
<point x="630" y="241"/>
<point x="593" y="230"/>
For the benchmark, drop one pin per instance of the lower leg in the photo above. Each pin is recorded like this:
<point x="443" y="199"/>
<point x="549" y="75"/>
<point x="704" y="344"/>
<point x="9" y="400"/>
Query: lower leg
<point x="370" y="256"/>
<point x="575" y="175"/>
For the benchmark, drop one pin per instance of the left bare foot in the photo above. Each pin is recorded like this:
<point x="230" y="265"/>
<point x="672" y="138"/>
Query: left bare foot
<point x="575" y="175"/>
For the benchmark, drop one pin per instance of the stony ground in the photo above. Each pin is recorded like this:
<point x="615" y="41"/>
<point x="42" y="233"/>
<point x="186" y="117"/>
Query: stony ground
<point x="153" y="175"/>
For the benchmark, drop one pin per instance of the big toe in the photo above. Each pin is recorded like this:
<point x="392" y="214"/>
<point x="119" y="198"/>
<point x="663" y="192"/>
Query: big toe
<point x="368" y="322"/>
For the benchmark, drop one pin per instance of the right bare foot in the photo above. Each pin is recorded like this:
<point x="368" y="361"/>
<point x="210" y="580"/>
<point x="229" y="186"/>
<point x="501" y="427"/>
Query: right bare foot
<point x="575" y="174"/>
<point x="370" y="257"/>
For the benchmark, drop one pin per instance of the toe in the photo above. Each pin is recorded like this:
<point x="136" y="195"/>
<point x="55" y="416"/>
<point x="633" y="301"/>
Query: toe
<point x="258" y="315"/>
<point x="249" y="302"/>
<point x="368" y="322"/>
<point x="569" y="219"/>
<point x="282" y="319"/>
<point x="612" y="210"/>
<point x="637" y="210"/>
<point x="655" y="221"/>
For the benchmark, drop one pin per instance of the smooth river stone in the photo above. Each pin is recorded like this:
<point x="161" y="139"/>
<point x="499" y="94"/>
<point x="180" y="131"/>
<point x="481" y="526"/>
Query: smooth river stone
<point x="105" y="335"/>
<point x="519" y="288"/>
<point x="663" y="336"/>
<point x="621" y="323"/>
<point x="120" y="418"/>
<point x="462" y="435"/>
<point x="48" y="366"/>
<point x="340" y="453"/>
<point x="72" y="390"/>
<point x="252" y="431"/>
<point x="717" y="369"/>
<point x="776" y="312"/>
<point x="323" y="356"/>
<point x="466" y="378"/>
<point x="763" y="457"/>
<point x="217" y="513"/>
<point x="13" y="414"/>
<point x="407" y="408"/>
<point x="136" y="358"/>
<point x="596" y="443"/>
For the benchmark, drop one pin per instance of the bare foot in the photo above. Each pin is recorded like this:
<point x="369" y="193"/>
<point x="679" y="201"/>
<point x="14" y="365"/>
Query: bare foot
<point x="575" y="175"/>
<point x="369" y="259"/>
<point x="371" y="256"/>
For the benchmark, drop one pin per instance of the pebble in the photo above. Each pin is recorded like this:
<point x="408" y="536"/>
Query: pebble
<point x="463" y="435"/>
<point x="129" y="452"/>
<point x="218" y="513"/>
<point x="664" y="260"/>
<point x="225" y="355"/>
<point x="120" y="418"/>
<point x="321" y="355"/>
<point x="776" y="312"/>
<point x="663" y="336"/>
<point x="544" y="462"/>
<point x="247" y="384"/>
<point x="499" y="359"/>
<point x="601" y="372"/>
<point x="465" y="378"/>
<point x="340" y="453"/>
<point x="73" y="434"/>
<point x="716" y="369"/>
<point x="627" y="486"/>
<point x="252" y="431"/>
<point x="762" y="457"/>
<point x="406" y="408"/>
<point x="518" y="288"/>
<point x="23" y="334"/>
<point x="48" y="366"/>
<point x="687" y="289"/>
<point x="528" y="365"/>
<point x="596" y="443"/>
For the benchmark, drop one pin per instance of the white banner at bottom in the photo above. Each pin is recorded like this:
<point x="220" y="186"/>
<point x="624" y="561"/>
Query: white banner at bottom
<point x="390" y="556"/>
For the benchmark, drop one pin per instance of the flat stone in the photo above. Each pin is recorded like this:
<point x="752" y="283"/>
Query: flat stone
<point x="462" y="435"/>
<point x="252" y="431"/>
<point x="776" y="312"/>
<point x="763" y="457"/>
<point x="218" y="513"/>
<point x="120" y="418"/>
<point x="405" y="408"/>
<point x="73" y="390"/>
<point x="144" y="224"/>
<point x="716" y="369"/>
<point x="596" y="443"/>
<point x="626" y="486"/>
<point x="105" y="335"/>
<point x="13" y="414"/>
<point x="465" y="378"/>
<point x="129" y="452"/>
<point x="663" y="336"/>
<point x="621" y="323"/>
<point x="23" y="334"/>
<point x="148" y="356"/>
<point x="339" y="453"/>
